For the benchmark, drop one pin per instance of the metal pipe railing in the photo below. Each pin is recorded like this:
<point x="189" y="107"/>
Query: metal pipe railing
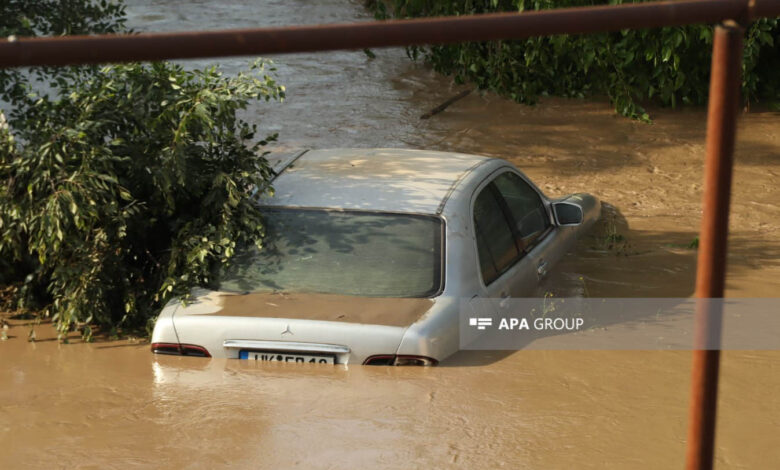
<point x="723" y="106"/>
<point x="721" y="121"/>
<point x="265" y="41"/>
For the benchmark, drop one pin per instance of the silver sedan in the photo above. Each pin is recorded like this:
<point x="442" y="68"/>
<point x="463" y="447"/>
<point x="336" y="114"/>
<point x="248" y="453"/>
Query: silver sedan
<point x="368" y="255"/>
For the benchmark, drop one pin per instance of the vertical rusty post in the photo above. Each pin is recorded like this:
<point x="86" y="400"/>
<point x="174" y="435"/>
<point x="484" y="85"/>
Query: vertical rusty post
<point x="725" y="83"/>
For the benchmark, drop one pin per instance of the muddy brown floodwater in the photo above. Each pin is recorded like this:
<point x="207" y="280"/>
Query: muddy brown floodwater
<point x="115" y="405"/>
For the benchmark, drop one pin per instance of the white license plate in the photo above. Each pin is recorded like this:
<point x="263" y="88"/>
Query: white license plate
<point x="285" y="357"/>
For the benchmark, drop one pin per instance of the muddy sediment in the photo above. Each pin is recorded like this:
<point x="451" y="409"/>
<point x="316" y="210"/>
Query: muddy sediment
<point x="310" y="306"/>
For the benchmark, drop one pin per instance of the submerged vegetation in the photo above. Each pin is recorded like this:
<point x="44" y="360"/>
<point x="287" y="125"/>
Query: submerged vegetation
<point x="668" y="66"/>
<point x="122" y="186"/>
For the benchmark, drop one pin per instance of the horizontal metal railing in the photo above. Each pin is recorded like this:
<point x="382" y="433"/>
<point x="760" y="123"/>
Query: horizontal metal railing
<point x="266" y="41"/>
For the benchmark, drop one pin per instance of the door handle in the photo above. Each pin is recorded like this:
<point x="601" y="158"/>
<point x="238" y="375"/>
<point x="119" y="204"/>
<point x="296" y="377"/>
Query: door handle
<point x="504" y="299"/>
<point x="541" y="268"/>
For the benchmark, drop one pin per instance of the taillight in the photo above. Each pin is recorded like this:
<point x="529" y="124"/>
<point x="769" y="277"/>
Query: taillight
<point x="380" y="361"/>
<point x="415" y="361"/>
<point x="399" y="360"/>
<point x="180" y="349"/>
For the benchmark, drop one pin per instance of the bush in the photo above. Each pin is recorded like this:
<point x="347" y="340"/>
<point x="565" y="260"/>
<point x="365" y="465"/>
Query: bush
<point x="127" y="188"/>
<point x="669" y="66"/>
<point x="53" y="18"/>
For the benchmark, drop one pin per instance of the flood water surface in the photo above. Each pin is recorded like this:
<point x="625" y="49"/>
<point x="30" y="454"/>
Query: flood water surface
<point x="115" y="405"/>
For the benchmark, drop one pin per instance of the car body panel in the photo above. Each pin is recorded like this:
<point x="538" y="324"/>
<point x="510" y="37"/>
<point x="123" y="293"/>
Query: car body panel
<point x="387" y="311"/>
<point x="198" y="324"/>
<point x="370" y="179"/>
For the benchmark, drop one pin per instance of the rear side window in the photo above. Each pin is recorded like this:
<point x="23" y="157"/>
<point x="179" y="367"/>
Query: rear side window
<point x="526" y="207"/>
<point x="495" y="243"/>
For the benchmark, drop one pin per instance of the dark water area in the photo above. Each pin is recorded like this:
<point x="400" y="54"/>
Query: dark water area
<point x="335" y="99"/>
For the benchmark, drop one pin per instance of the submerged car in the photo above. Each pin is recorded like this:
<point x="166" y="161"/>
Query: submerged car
<point x="368" y="255"/>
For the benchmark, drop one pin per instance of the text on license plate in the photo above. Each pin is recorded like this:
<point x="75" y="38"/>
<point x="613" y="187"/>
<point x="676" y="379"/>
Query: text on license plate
<point x="285" y="357"/>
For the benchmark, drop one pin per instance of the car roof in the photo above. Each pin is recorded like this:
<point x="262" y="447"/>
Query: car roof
<point x="392" y="180"/>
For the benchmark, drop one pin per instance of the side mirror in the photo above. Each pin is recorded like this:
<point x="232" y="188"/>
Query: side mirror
<point x="567" y="213"/>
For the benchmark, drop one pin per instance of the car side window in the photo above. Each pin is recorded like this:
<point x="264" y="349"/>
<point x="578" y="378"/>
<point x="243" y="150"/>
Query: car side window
<point x="496" y="246"/>
<point x="531" y="220"/>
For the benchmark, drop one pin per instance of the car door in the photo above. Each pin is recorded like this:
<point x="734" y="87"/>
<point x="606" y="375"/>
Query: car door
<point x="531" y="221"/>
<point x="504" y="268"/>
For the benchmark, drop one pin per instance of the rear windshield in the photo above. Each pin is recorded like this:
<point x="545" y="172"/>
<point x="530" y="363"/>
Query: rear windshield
<point x="341" y="252"/>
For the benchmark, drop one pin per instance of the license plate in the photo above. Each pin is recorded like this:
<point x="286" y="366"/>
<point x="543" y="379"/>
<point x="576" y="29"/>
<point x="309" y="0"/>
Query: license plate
<point x="286" y="357"/>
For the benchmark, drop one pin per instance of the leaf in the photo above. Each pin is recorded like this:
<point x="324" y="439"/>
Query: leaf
<point x="678" y="39"/>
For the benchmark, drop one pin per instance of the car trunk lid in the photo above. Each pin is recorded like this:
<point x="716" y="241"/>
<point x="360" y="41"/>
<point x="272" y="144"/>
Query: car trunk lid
<point x="351" y="327"/>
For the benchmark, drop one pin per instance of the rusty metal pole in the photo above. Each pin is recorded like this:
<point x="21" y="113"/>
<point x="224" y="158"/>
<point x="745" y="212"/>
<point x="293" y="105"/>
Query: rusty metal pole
<point x="725" y="84"/>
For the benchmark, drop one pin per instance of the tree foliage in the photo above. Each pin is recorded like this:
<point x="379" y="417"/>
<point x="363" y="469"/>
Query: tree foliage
<point x="129" y="189"/>
<point x="669" y="65"/>
<point x="24" y="18"/>
<point x="123" y="186"/>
